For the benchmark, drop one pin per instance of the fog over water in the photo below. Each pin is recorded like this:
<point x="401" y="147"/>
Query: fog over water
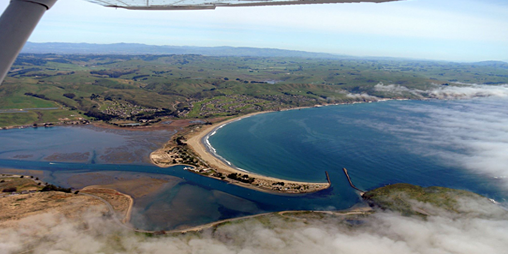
<point x="463" y="91"/>
<point x="476" y="129"/>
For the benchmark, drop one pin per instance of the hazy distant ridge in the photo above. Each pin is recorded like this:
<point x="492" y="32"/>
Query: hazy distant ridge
<point x="134" y="48"/>
<point x="143" y="49"/>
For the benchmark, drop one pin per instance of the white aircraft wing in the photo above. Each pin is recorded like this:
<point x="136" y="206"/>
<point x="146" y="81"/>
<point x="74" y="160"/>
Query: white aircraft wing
<point x="212" y="4"/>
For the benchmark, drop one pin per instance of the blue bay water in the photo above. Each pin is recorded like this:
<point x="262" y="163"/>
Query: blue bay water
<point x="379" y="143"/>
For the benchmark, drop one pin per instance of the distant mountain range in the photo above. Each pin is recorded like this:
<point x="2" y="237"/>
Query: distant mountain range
<point x="143" y="49"/>
<point x="135" y="49"/>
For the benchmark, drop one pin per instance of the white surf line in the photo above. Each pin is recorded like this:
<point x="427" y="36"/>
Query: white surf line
<point x="213" y="151"/>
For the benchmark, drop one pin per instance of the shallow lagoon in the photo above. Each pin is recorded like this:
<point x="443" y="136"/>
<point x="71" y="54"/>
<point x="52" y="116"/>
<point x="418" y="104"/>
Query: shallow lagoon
<point x="193" y="201"/>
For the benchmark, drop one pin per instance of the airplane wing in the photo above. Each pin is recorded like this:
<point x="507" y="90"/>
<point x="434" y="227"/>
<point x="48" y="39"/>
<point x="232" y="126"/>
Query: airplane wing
<point x="212" y="4"/>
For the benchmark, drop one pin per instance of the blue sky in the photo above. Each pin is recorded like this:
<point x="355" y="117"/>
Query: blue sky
<point x="456" y="30"/>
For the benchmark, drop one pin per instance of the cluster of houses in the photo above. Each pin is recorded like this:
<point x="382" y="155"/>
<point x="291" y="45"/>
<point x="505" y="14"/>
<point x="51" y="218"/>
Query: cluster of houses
<point x="238" y="104"/>
<point x="125" y="110"/>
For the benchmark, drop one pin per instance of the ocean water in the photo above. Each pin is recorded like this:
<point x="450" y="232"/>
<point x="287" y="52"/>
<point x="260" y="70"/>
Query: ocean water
<point x="459" y="144"/>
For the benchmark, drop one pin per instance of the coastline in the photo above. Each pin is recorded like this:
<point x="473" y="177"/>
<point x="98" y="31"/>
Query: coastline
<point x="351" y="211"/>
<point x="209" y="164"/>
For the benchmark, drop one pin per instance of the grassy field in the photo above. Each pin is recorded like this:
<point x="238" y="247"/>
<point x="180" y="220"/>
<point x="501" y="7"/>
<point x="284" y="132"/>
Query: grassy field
<point x="9" y="119"/>
<point x="8" y="183"/>
<point x="148" y="87"/>
<point x="411" y="199"/>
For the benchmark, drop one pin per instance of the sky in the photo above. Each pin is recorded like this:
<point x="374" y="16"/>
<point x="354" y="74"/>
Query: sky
<point x="452" y="30"/>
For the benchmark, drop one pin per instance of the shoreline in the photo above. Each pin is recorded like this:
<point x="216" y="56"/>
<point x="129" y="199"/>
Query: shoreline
<point x="350" y="211"/>
<point x="196" y="142"/>
<point x="211" y="131"/>
<point x="206" y="164"/>
<point x="158" y="126"/>
<point x="212" y="165"/>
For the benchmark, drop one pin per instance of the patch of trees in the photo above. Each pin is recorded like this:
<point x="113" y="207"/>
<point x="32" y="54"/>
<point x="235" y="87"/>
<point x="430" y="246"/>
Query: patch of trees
<point x="69" y="95"/>
<point x="111" y="84"/>
<point x="113" y="73"/>
<point x="182" y="106"/>
<point x="24" y="71"/>
<point x="157" y="114"/>
<point x="51" y="187"/>
<point x="164" y="112"/>
<point x="24" y="60"/>
<point x="12" y="189"/>
<point x="160" y="72"/>
<point x="98" y="115"/>
<point x="42" y="96"/>
<point x="180" y="140"/>
<point x="106" y="63"/>
<point x="219" y="175"/>
<point x="135" y="78"/>
<point x="38" y="74"/>
<point x="242" y="178"/>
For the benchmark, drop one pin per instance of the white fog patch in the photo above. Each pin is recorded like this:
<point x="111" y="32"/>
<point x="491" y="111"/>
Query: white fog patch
<point x="383" y="232"/>
<point x="470" y="134"/>
<point x="464" y="91"/>
<point x="362" y="96"/>
<point x="396" y="89"/>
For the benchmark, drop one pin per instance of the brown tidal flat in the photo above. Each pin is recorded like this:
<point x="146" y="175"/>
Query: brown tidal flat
<point x="68" y="157"/>
<point x="133" y="184"/>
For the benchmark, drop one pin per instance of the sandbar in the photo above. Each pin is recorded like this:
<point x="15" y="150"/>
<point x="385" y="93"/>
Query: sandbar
<point x="194" y="140"/>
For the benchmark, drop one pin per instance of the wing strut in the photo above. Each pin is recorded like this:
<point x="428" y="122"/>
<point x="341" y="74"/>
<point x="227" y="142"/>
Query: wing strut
<point x="16" y="25"/>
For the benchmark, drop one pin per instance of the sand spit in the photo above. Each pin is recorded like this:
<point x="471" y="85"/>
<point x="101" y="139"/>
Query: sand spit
<point x="200" y="160"/>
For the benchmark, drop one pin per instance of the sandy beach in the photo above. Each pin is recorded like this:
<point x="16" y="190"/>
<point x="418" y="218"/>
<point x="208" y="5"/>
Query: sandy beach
<point x="261" y="182"/>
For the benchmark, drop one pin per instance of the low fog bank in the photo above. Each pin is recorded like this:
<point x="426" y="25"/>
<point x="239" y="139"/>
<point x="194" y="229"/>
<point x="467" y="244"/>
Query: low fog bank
<point x="470" y="134"/>
<point x="483" y="229"/>
<point x="444" y="92"/>
<point x="463" y="91"/>
<point x="362" y="96"/>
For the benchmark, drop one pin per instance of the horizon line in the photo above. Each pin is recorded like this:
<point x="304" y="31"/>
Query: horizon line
<point x="225" y="46"/>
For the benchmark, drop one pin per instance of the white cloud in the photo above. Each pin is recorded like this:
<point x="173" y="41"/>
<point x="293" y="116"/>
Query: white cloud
<point x="384" y="232"/>
<point x="362" y="96"/>
<point x="465" y="91"/>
